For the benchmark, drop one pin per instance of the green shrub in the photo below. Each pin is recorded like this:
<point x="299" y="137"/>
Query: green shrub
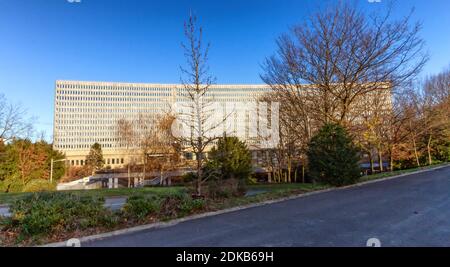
<point x="190" y="205"/>
<point x="333" y="158"/>
<point x="44" y="213"/>
<point x="11" y="184"/>
<point x="140" y="206"/>
<point x="176" y="204"/>
<point x="189" y="177"/>
<point x="226" y="188"/>
<point x="251" y="180"/>
<point x="38" y="185"/>
<point x="230" y="158"/>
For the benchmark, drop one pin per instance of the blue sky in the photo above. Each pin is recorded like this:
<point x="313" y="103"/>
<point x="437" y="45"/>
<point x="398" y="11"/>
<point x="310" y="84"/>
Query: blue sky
<point x="139" y="41"/>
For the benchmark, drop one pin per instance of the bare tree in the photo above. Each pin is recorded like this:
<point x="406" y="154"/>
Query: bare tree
<point x="12" y="121"/>
<point x="437" y="89"/>
<point x="294" y="134"/>
<point x="396" y="135"/>
<point x="430" y="113"/>
<point x="126" y="137"/>
<point x="435" y="109"/>
<point x="371" y="129"/>
<point x="343" y="54"/>
<point x="198" y="105"/>
<point x="160" y="146"/>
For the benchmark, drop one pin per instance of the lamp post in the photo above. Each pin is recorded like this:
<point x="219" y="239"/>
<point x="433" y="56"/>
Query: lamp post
<point x="51" y="167"/>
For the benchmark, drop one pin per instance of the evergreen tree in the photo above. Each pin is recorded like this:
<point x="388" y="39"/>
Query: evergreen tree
<point x="95" y="157"/>
<point x="333" y="159"/>
<point x="231" y="158"/>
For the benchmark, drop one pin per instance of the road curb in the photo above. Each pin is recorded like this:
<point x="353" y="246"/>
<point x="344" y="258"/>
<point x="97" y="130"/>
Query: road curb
<point x="213" y="213"/>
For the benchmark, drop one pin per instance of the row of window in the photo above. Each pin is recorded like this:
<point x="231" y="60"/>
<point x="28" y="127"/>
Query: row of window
<point x="187" y="155"/>
<point x="107" y="161"/>
<point x="110" y="87"/>
<point x="62" y="110"/>
<point x="110" y="104"/>
<point x="121" y="97"/>
<point x="222" y="89"/>
<point x="149" y="88"/>
<point x="108" y="115"/>
<point x="86" y="121"/>
<point x="81" y="146"/>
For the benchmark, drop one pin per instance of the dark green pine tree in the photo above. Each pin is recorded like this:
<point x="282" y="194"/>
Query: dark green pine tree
<point x="231" y="158"/>
<point x="333" y="158"/>
<point x="95" y="157"/>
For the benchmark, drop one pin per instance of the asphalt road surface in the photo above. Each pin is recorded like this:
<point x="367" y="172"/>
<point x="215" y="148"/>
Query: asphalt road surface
<point x="409" y="211"/>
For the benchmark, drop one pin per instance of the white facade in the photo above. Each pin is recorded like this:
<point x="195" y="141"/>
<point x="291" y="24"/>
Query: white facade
<point x="87" y="112"/>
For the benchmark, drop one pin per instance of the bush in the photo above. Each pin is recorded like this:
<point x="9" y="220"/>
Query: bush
<point x="76" y="172"/>
<point x="165" y="205"/>
<point x="189" y="177"/>
<point x="38" y="185"/>
<point x="140" y="206"/>
<point x="333" y="158"/>
<point x="179" y="204"/>
<point x="45" y="213"/>
<point x="226" y="188"/>
<point x="191" y="205"/>
<point x="11" y="184"/>
<point x="230" y="158"/>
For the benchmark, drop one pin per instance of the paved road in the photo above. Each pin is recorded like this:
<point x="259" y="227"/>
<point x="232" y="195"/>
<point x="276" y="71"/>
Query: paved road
<point x="410" y="211"/>
<point x="4" y="211"/>
<point x="115" y="203"/>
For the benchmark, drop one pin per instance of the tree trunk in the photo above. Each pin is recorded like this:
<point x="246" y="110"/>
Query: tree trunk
<point x="199" y="174"/>
<point x="371" y="162"/>
<point x="143" y="169"/>
<point x="303" y="173"/>
<point x="380" y="158"/>
<point x="289" y="170"/>
<point x="415" y="151"/>
<point x="391" y="159"/>
<point x="23" y="177"/>
<point x="430" y="161"/>
<point x="129" y="175"/>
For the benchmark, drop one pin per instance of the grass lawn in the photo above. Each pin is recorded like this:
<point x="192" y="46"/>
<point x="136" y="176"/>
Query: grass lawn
<point x="388" y="174"/>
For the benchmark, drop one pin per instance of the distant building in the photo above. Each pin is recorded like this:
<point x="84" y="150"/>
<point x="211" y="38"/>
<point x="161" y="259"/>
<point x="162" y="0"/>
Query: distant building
<point x="87" y="112"/>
